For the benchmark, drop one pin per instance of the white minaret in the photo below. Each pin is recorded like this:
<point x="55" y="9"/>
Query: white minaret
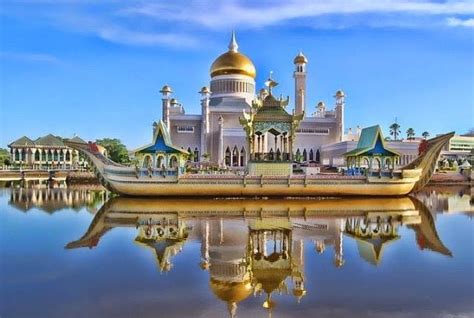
<point x="166" y="103"/>
<point x="205" y="98"/>
<point x="299" y="75"/>
<point x="220" y="149"/>
<point x="340" y="96"/>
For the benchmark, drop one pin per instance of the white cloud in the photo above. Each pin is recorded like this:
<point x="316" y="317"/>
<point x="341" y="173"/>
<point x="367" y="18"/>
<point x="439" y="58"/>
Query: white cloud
<point x="456" y="22"/>
<point x="232" y="13"/>
<point x="123" y="36"/>
<point x="30" y="57"/>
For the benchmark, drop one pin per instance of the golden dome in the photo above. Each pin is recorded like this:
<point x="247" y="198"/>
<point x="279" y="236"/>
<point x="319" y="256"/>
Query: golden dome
<point x="233" y="62"/>
<point x="300" y="59"/>
<point x="233" y="292"/>
<point x="339" y="93"/>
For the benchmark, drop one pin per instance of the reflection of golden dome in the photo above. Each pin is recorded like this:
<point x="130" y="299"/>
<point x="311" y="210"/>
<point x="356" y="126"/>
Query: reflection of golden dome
<point x="233" y="62"/>
<point x="233" y="292"/>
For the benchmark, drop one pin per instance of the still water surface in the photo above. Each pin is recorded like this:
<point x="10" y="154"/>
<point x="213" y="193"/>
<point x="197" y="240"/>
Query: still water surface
<point x="77" y="253"/>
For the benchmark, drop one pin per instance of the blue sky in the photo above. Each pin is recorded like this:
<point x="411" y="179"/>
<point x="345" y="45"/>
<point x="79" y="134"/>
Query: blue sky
<point x="95" y="70"/>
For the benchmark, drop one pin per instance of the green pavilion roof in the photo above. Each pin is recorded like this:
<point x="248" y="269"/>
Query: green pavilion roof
<point x="371" y="143"/>
<point x="49" y="141"/>
<point x="22" y="142"/>
<point x="78" y="140"/>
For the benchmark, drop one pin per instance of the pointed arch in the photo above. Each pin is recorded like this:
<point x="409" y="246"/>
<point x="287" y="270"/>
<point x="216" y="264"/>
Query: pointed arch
<point x="227" y="157"/>
<point x="311" y="155"/>
<point x="235" y="157"/>
<point x="196" y="154"/>
<point x="243" y="156"/>
<point x="318" y="156"/>
<point x="305" y="155"/>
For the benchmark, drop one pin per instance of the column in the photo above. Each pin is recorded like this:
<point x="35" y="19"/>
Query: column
<point x="220" y="148"/>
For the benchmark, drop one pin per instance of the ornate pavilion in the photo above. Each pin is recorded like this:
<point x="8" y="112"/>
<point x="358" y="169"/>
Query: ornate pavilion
<point x="270" y="132"/>
<point x="371" y="152"/>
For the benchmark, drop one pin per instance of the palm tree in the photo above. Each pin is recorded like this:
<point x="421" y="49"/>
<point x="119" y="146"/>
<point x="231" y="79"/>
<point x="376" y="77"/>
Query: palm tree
<point x="410" y="133"/>
<point x="394" y="130"/>
<point x="425" y="134"/>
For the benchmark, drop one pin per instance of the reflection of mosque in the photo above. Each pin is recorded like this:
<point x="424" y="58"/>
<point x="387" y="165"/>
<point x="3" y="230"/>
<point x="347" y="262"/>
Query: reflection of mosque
<point x="51" y="200"/>
<point x="251" y="246"/>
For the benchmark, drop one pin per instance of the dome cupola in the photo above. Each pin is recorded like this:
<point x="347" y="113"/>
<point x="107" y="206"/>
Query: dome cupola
<point x="233" y="62"/>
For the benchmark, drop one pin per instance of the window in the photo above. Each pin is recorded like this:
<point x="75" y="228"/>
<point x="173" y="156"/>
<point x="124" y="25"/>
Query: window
<point x="313" y="131"/>
<point x="185" y="129"/>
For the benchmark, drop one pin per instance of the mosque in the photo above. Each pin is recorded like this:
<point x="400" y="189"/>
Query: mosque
<point x="216" y="134"/>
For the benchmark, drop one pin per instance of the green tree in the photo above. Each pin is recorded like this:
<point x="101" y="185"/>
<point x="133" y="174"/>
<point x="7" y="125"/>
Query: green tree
<point x="115" y="149"/>
<point x="425" y="134"/>
<point x="410" y="133"/>
<point x="394" y="130"/>
<point x="4" y="157"/>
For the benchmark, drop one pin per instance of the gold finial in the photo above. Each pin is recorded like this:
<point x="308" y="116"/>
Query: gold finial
<point x="270" y="83"/>
<point x="233" y="46"/>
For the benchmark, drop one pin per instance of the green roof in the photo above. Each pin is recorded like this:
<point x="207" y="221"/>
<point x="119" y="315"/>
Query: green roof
<point x="371" y="142"/>
<point x="50" y="141"/>
<point x="78" y="140"/>
<point x="22" y="142"/>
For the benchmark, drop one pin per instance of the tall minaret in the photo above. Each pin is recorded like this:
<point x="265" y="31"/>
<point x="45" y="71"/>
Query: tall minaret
<point x="340" y="96"/>
<point x="205" y="94"/>
<point x="166" y="103"/>
<point x="299" y="75"/>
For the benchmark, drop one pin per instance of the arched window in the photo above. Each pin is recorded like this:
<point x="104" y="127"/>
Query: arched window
<point x="147" y="161"/>
<point x="298" y="155"/>
<point x="311" y="155"/>
<point x="305" y="155"/>
<point x="242" y="157"/>
<point x="173" y="162"/>
<point x="55" y="155"/>
<point x="227" y="157"/>
<point x="376" y="164"/>
<point x="37" y="155"/>
<point x="235" y="157"/>
<point x="196" y="155"/>
<point x="318" y="156"/>
<point x="160" y="162"/>
<point x="68" y="155"/>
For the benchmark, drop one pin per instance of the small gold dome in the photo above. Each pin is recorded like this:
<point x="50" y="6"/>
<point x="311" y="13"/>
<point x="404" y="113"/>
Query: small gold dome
<point x="231" y="291"/>
<point x="300" y="59"/>
<point x="339" y="93"/>
<point x="233" y="62"/>
<point x="166" y="89"/>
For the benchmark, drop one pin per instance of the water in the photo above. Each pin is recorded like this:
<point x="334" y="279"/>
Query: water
<point x="63" y="253"/>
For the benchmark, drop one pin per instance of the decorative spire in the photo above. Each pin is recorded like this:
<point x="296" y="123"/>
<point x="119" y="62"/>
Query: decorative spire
<point x="270" y="83"/>
<point x="233" y="46"/>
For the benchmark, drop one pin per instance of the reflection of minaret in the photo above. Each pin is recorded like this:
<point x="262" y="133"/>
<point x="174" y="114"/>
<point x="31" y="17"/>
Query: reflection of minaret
<point x="338" y="248"/>
<point x="298" y="270"/>
<point x="205" y="247"/>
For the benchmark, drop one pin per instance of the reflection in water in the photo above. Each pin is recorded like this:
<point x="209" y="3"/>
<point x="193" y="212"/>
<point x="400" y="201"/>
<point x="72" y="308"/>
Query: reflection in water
<point x="52" y="200"/>
<point x="257" y="246"/>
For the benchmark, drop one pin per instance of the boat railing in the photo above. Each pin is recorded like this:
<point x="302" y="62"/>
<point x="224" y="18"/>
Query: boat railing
<point x="141" y="172"/>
